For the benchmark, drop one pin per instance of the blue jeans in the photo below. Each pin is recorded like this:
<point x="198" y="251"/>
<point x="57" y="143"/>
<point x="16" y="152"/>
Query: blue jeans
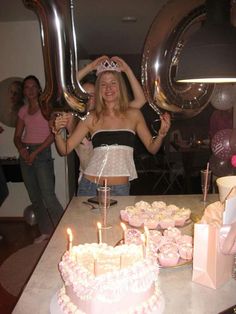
<point x="39" y="180"/>
<point x="88" y="188"/>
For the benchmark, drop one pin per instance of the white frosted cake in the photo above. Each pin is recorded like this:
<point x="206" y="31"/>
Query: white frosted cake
<point x="102" y="279"/>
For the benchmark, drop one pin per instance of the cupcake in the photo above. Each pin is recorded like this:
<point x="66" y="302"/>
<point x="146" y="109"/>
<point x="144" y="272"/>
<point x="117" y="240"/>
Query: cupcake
<point x="168" y="259"/>
<point x="172" y="232"/>
<point x="124" y="215"/>
<point x="133" y="236"/>
<point x="150" y="223"/>
<point x="179" y="220"/>
<point x="166" y="223"/>
<point x="186" y="251"/>
<point x="168" y="247"/>
<point x="135" y="221"/>
<point x="184" y="239"/>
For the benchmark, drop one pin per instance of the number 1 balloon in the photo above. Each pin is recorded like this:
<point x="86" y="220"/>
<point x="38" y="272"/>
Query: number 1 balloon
<point x="58" y="36"/>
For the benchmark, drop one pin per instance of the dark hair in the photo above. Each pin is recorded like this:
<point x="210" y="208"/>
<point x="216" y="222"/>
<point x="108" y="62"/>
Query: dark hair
<point x="34" y="78"/>
<point x="89" y="78"/>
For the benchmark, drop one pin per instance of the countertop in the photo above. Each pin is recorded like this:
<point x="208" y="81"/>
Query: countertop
<point x="180" y="293"/>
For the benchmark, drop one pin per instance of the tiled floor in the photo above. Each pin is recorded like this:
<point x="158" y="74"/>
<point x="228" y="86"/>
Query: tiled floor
<point x="16" y="234"/>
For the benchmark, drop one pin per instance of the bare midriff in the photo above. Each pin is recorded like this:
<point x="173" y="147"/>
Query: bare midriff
<point x="110" y="180"/>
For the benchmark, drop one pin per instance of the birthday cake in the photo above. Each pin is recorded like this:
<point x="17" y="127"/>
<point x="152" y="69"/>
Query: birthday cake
<point x="155" y="215"/>
<point x="102" y="279"/>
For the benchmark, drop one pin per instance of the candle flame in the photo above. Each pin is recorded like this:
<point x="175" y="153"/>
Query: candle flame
<point x="143" y="239"/>
<point x="123" y="226"/>
<point x="70" y="235"/>
<point x="99" y="225"/>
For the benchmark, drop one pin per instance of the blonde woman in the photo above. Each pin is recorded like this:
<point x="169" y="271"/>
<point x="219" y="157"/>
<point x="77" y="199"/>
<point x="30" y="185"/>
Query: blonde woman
<point x="113" y="125"/>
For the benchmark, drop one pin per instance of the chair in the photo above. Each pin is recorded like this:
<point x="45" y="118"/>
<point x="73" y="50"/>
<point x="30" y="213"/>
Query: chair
<point x="172" y="170"/>
<point x="166" y="172"/>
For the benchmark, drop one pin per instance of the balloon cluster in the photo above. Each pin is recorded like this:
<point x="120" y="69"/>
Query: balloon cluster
<point x="223" y="159"/>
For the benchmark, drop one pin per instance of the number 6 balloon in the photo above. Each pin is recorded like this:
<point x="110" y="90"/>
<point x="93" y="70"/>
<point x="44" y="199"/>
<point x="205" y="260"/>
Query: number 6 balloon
<point x="58" y="36"/>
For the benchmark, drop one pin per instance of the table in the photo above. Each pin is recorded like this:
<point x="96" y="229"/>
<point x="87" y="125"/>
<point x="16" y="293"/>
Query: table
<point x="181" y="294"/>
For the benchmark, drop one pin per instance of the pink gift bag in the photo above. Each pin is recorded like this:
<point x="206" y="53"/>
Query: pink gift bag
<point x="211" y="268"/>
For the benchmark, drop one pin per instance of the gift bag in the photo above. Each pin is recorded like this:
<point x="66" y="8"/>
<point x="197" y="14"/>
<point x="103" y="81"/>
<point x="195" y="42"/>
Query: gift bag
<point x="211" y="268"/>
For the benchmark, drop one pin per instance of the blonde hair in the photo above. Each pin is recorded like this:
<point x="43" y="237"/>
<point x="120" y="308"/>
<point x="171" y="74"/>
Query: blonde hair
<point x="123" y="101"/>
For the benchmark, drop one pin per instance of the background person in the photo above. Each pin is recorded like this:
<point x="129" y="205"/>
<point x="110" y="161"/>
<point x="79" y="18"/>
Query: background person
<point x="112" y="125"/>
<point x="33" y="140"/>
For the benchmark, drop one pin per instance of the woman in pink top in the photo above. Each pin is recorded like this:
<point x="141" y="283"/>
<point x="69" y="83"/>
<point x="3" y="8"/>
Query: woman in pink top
<point x="33" y="140"/>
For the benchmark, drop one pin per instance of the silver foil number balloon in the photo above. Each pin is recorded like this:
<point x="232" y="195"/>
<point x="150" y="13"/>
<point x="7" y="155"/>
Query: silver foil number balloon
<point x="166" y="37"/>
<point x="58" y="25"/>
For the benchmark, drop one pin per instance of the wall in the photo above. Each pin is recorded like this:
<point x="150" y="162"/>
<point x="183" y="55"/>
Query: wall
<point x="21" y="55"/>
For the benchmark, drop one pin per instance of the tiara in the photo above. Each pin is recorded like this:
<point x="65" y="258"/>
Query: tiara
<point x="108" y="66"/>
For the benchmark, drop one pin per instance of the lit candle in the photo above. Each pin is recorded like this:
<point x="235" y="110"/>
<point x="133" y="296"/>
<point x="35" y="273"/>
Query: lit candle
<point x="70" y="239"/>
<point x="99" y="232"/>
<point x="146" y="233"/>
<point x="123" y="226"/>
<point x="143" y="245"/>
<point x="95" y="266"/>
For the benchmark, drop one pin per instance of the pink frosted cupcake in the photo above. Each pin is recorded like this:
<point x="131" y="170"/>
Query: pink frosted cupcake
<point x="124" y="215"/>
<point x="168" y="247"/>
<point x="173" y="208"/>
<point x="179" y="220"/>
<point x="135" y="221"/>
<point x="150" y="223"/>
<point x="172" y="232"/>
<point x="166" y="223"/>
<point x="159" y="205"/>
<point x="133" y="236"/>
<point x="155" y="235"/>
<point x="184" y="239"/>
<point x="186" y="251"/>
<point x="168" y="259"/>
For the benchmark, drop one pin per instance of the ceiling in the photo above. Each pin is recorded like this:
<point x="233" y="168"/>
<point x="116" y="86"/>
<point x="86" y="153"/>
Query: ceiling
<point x="101" y="29"/>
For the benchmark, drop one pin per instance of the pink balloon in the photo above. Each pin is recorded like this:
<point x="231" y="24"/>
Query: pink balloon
<point x="220" y="144"/>
<point x="233" y="161"/>
<point x="220" y="168"/>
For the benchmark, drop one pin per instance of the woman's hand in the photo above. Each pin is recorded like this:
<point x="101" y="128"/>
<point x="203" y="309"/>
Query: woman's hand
<point x="165" y="124"/>
<point x="32" y="156"/>
<point x="122" y="64"/>
<point x="61" y="122"/>
<point x="24" y="153"/>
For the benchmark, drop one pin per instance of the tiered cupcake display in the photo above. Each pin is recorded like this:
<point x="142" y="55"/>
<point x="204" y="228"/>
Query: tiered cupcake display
<point x="157" y="215"/>
<point x="169" y="248"/>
